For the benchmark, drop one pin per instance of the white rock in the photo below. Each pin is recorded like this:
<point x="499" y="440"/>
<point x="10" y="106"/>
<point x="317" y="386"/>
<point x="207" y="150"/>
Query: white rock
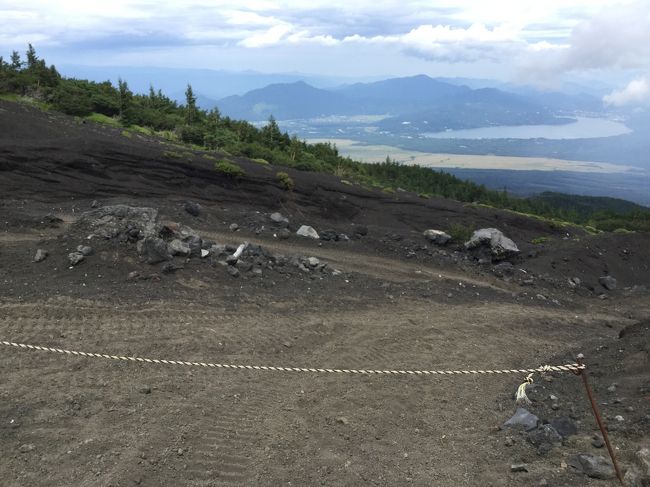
<point x="307" y="231"/>
<point x="437" y="236"/>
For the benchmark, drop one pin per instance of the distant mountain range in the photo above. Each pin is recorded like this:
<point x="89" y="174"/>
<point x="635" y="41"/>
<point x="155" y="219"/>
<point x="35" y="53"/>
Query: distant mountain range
<point x="416" y="103"/>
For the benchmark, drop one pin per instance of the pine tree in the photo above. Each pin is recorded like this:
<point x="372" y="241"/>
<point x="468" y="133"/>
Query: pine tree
<point x="190" y="105"/>
<point x="32" y="59"/>
<point x="15" y="61"/>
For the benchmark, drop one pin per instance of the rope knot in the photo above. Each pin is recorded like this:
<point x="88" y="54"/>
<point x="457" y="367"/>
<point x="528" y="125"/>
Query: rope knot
<point x="521" y="398"/>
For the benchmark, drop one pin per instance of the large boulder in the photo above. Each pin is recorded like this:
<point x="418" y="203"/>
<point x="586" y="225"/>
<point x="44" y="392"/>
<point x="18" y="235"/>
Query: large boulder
<point x="437" y="237"/>
<point x="120" y="220"/>
<point x="500" y="246"/>
<point x="308" y="232"/>
<point x="153" y="250"/>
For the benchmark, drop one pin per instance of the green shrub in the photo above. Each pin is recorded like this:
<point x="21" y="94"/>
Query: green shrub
<point x="259" y="160"/>
<point x="285" y="180"/>
<point x="539" y="240"/>
<point x="101" y="118"/>
<point x="127" y="134"/>
<point x="229" y="169"/>
<point x="459" y="232"/>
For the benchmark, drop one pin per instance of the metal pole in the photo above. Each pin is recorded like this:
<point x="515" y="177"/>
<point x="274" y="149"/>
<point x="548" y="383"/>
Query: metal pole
<point x="599" y="420"/>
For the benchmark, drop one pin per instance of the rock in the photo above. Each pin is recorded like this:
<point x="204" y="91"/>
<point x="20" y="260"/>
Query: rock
<point x="597" y="442"/>
<point x="85" y="250"/>
<point x="642" y="457"/>
<point x="233" y="227"/>
<point x="41" y="255"/>
<point x="233" y="271"/>
<point x="544" y="438"/>
<point x="437" y="237"/>
<point x="133" y="276"/>
<point x="27" y="447"/>
<point x="329" y="235"/>
<point x="153" y="250"/>
<point x="608" y="282"/>
<point x="192" y="208"/>
<point x="500" y="246"/>
<point x="170" y="268"/>
<point x="279" y="219"/>
<point x="231" y="260"/>
<point x="115" y="220"/>
<point x="509" y="441"/>
<point x="195" y="244"/>
<point x="204" y="253"/>
<point x="308" y="232"/>
<point x="522" y="419"/>
<point x="94" y="204"/>
<point x="574" y="282"/>
<point x="593" y="466"/>
<point x="619" y="418"/>
<point x="75" y="258"/>
<point x="564" y="425"/>
<point x="284" y="234"/>
<point x="503" y="269"/>
<point x="342" y="420"/>
<point x="145" y="390"/>
<point x="519" y="467"/>
<point x="313" y="261"/>
<point x="360" y="231"/>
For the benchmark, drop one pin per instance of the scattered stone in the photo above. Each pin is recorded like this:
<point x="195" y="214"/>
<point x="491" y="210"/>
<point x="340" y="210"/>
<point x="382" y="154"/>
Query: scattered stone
<point x="284" y="234"/>
<point x="204" y="253"/>
<point x="41" y="255"/>
<point x="94" y="204"/>
<point x="170" y="268"/>
<point x="619" y="418"/>
<point x="257" y="271"/>
<point x="75" y="258"/>
<point x="145" y="390"/>
<point x="501" y="246"/>
<point x="195" y="243"/>
<point x="522" y="418"/>
<point x="192" y="208"/>
<point x="233" y="271"/>
<point x="564" y="425"/>
<point x="153" y="250"/>
<point x="233" y="227"/>
<point x="279" y="219"/>
<point x="437" y="237"/>
<point x="27" y="447"/>
<point x="308" y="232"/>
<point x="85" y="250"/>
<point x="329" y="235"/>
<point x="509" y="441"/>
<point x="178" y="247"/>
<point x="503" y="269"/>
<point x="231" y="260"/>
<point x="360" y="231"/>
<point x="313" y="261"/>
<point x="544" y="438"/>
<point x="608" y="282"/>
<point x="553" y="397"/>
<point x="612" y="388"/>
<point x="133" y="276"/>
<point x="519" y="467"/>
<point x="597" y="442"/>
<point x="574" y="282"/>
<point x="593" y="466"/>
<point x="343" y="420"/>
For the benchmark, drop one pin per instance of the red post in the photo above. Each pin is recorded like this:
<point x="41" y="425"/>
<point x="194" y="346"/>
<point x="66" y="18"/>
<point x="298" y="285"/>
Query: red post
<point x="582" y="373"/>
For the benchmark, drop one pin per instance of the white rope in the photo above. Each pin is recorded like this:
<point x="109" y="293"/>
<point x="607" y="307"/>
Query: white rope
<point x="545" y="368"/>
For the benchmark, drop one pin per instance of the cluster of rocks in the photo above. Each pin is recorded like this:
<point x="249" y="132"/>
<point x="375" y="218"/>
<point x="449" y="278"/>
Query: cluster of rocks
<point x="281" y="224"/>
<point x="171" y="244"/>
<point x="544" y="436"/>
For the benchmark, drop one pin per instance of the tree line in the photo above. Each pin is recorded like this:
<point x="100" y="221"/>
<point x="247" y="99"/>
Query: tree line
<point x="209" y="129"/>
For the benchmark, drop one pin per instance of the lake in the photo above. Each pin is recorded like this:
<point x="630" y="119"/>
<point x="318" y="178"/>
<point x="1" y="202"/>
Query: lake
<point x="582" y="128"/>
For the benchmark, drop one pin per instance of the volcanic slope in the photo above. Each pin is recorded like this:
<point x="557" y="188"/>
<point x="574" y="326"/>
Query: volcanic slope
<point x="382" y="298"/>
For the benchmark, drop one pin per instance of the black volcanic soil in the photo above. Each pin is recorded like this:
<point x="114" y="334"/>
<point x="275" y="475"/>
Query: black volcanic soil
<point x="399" y="302"/>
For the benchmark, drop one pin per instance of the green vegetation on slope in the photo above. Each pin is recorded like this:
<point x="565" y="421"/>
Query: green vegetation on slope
<point x="156" y="113"/>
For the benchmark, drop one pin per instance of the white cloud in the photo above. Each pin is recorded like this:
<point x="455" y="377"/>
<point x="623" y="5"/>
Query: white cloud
<point x="635" y="92"/>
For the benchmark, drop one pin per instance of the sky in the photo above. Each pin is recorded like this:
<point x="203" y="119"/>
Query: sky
<point x="536" y="42"/>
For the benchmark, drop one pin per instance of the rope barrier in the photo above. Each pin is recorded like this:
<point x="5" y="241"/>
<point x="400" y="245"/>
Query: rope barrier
<point x="574" y="367"/>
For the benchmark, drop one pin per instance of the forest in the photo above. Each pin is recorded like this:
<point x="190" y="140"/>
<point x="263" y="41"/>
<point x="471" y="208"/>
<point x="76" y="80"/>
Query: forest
<point x="155" y="113"/>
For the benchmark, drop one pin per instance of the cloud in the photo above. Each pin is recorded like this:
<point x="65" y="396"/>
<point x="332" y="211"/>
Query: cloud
<point x="635" y="92"/>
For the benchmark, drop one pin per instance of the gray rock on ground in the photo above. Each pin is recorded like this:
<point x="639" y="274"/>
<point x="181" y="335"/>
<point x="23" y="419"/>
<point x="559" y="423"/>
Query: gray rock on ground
<point x="192" y="208"/>
<point x="593" y="466"/>
<point x="500" y="245"/>
<point x="638" y="475"/>
<point x="153" y="250"/>
<point x="40" y="255"/>
<point x="279" y="219"/>
<point x="86" y="250"/>
<point x="178" y="247"/>
<point x="283" y="234"/>
<point x="564" y="425"/>
<point x="111" y="221"/>
<point x="75" y="258"/>
<point x="522" y="419"/>
<point x="544" y="438"/>
<point x="437" y="237"/>
<point x="608" y="282"/>
<point x="308" y="232"/>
